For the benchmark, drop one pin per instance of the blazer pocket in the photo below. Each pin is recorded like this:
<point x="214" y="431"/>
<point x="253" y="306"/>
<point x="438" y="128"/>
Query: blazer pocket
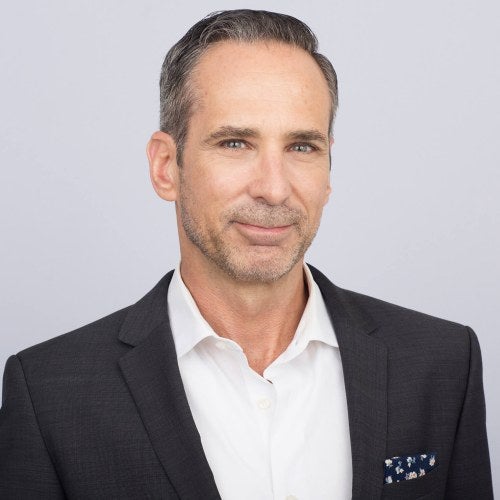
<point x="414" y="489"/>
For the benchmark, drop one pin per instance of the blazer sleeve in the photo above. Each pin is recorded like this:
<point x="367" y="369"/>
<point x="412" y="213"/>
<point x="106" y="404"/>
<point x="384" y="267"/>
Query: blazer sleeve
<point x="26" y="470"/>
<point x="470" y="473"/>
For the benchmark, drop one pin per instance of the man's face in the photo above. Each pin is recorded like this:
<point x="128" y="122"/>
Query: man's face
<point x="255" y="172"/>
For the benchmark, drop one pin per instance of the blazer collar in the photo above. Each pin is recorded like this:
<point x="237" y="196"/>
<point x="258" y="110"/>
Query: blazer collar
<point x="364" y="362"/>
<point x="152" y="374"/>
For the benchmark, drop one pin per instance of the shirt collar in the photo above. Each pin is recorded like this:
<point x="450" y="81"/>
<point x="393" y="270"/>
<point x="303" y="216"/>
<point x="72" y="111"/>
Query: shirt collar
<point x="315" y="323"/>
<point x="189" y="327"/>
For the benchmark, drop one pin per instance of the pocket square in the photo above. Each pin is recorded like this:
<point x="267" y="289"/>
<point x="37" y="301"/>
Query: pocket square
<point x="406" y="467"/>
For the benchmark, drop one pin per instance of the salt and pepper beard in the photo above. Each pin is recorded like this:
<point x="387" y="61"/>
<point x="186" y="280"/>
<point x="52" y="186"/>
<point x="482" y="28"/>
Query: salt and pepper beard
<point x="228" y="257"/>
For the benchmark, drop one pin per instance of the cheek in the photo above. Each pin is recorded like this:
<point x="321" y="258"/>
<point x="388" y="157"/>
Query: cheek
<point x="327" y="194"/>
<point x="218" y="190"/>
<point x="212" y="174"/>
<point x="205" y="197"/>
<point x="314" y="192"/>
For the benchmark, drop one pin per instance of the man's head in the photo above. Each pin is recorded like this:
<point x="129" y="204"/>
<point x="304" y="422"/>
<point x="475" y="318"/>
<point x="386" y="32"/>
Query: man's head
<point x="177" y="96"/>
<point x="251" y="119"/>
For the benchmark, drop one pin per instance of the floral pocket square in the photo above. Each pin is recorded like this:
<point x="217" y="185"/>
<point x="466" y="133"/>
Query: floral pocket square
<point x="406" y="467"/>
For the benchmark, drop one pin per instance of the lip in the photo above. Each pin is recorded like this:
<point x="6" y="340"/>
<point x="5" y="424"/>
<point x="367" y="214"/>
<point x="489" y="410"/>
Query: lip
<point x="262" y="235"/>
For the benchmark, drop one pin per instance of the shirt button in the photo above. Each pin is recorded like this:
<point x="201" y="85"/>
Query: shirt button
<point x="264" y="403"/>
<point x="291" y="497"/>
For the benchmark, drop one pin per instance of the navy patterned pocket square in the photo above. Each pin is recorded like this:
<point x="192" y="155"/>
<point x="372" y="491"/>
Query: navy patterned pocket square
<point x="406" y="467"/>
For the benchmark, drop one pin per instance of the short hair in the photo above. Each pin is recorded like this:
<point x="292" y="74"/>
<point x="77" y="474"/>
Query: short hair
<point x="242" y="25"/>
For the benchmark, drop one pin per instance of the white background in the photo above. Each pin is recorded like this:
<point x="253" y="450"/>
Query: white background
<point x="414" y="215"/>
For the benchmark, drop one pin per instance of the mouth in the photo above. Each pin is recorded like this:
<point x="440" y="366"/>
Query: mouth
<point x="263" y="235"/>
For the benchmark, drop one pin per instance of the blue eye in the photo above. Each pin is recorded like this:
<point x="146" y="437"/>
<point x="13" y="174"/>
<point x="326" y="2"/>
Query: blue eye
<point x="233" y="144"/>
<point x="303" y="148"/>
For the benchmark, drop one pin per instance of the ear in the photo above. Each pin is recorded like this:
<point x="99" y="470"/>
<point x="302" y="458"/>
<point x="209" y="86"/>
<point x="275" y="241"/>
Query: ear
<point x="163" y="168"/>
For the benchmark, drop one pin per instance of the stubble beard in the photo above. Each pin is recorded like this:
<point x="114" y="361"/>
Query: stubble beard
<point x="248" y="264"/>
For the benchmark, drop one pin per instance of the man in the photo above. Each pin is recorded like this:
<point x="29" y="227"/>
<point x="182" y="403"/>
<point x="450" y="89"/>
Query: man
<point x="246" y="373"/>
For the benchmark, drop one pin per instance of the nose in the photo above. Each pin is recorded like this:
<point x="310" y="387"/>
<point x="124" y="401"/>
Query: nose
<point x="270" y="182"/>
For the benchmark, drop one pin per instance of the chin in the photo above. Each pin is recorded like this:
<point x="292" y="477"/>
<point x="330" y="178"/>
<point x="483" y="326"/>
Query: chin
<point x="258" y="270"/>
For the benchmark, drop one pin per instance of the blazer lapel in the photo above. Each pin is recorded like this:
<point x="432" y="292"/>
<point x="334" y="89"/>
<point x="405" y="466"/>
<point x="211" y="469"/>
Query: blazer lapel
<point x="151" y="371"/>
<point x="364" y="362"/>
<point x="152" y="374"/>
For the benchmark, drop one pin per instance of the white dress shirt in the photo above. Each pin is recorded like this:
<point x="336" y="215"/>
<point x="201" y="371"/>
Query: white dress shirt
<point x="281" y="436"/>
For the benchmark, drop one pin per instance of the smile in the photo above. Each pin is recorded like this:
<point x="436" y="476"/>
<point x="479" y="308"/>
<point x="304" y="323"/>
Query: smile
<point x="263" y="235"/>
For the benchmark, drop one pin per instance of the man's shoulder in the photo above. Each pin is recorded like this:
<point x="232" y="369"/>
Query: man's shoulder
<point x="103" y="334"/>
<point x="96" y="337"/>
<point x="391" y="323"/>
<point x="99" y="344"/>
<point x="391" y="313"/>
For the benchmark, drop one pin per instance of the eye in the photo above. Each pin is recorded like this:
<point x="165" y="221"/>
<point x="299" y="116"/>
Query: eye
<point x="303" y="148"/>
<point x="233" y="144"/>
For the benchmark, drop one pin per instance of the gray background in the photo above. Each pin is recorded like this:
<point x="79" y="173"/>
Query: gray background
<point x="414" y="215"/>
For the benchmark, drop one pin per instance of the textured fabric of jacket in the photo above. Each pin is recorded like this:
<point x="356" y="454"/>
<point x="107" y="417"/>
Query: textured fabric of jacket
<point x="101" y="413"/>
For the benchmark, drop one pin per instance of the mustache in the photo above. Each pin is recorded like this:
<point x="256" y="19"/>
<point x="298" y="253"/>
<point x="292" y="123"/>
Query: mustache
<point x="265" y="215"/>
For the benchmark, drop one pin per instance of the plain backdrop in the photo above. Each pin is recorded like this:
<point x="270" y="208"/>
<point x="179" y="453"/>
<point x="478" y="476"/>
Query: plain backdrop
<point x="414" y="214"/>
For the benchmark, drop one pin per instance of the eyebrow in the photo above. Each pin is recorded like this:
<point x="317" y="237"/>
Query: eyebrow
<point x="244" y="132"/>
<point x="308" y="135"/>
<point x="230" y="131"/>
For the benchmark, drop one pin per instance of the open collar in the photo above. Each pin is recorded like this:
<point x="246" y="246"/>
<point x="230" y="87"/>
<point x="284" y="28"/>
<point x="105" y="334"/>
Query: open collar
<point x="152" y="374"/>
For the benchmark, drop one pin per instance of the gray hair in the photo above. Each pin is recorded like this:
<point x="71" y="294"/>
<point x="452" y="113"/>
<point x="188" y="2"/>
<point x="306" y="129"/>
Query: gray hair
<point x="244" y="25"/>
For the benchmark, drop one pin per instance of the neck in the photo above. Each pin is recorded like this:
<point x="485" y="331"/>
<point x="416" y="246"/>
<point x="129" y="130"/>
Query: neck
<point x="260" y="317"/>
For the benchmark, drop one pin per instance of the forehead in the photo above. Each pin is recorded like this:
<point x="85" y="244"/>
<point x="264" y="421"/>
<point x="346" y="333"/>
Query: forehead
<point x="259" y="77"/>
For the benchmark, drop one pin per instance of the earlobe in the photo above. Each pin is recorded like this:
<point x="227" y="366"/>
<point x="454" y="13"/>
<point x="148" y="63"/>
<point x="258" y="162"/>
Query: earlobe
<point x="163" y="170"/>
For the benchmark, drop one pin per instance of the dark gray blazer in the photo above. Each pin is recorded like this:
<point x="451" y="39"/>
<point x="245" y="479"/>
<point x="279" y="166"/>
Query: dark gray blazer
<point x="101" y="413"/>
